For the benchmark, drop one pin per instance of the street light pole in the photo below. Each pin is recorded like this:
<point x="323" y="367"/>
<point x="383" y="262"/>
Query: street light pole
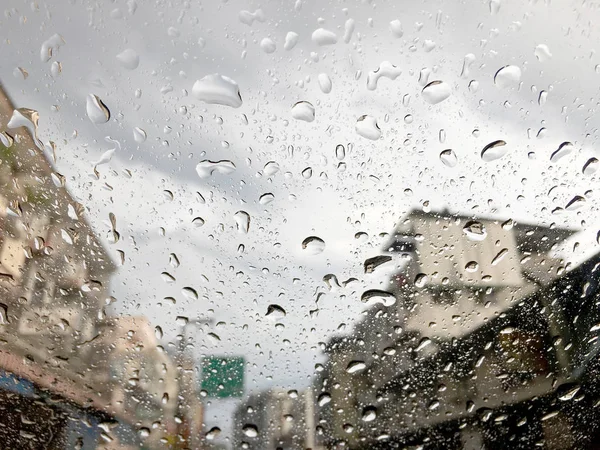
<point x="183" y="430"/>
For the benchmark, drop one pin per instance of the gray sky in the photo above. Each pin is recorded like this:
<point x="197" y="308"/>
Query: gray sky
<point x="370" y="196"/>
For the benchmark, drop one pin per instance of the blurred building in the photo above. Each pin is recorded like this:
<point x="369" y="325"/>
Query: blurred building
<point x="454" y="276"/>
<point x="276" y="418"/>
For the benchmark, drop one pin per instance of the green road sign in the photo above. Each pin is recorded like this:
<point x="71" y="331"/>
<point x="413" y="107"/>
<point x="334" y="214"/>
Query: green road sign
<point x="223" y="376"/>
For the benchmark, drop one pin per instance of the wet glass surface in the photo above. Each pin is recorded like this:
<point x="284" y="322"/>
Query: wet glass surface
<point x="299" y="225"/>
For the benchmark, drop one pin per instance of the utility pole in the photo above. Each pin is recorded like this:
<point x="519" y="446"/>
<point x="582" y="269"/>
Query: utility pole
<point x="182" y="410"/>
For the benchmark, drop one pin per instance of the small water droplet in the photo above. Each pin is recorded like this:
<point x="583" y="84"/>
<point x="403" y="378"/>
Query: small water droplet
<point x="291" y="39"/>
<point x="189" y="293"/>
<point x="376" y="296"/>
<point x="307" y="173"/>
<point x="542" y="53"/>
<point x="275" y="312"/>
<point x="396" y="28"/>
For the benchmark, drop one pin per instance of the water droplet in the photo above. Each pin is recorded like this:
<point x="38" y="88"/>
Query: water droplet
<point x="198" y="221"/>
<point x="242" y="221"/>
<point x="494" y="6"/>
<point x="96" y="110"/>
<point x="129" y="59"/>
<point x="575" y="203"/>
<point x="421" y="280"/>
<point x="467" y="62"/>
<point x="376" y="296"/>
<point x="589" y="168"/>
<point x="475" y="230"/>
<point x="218" y="90"/>
<point x="349" y="30"/>
<point x="206" y="168"/>
<point x="433" y="405"/>
<point x="507" y="76"/>
<point x="174" y="260"/>
<point x="303" y="111"/>
<point x="321" y="36"/>
<point x="50" y="47"/>
<point x="307" y="173"/>
<point x="189" y="293"/>
<point x="471" y="266"/>
<point x="448" y="157"/>
<point x="542" y="53"/>
<point x="313" y="245"/>
<point x="28" y="118"/>
<point x="356" y="366"/>
<point x="500" y="256"/>
<point x="213" y="433"/>
<point x="271" y="168"/>
<point x="436" y="92"/>
<point x="423" y="343"/>
<point x="6" y="139"/>
<point x="494" y="150"/>
<point x="139" y="135"/>
<point x="250" y="430"/>
<point x="291" y="39"/>
<point x="340" y="152"/>
<point x="323" y="399"/>
<point x="563" y="150"/>
<point x="248" y="18"/>
<point x="20" y="73"/>
<point x="324" y="83"/>
<point x="543" y="98"/>
<point x="366" y="126"/>
<point x="265" y="199"/>
<point x="386" y="69"/>
<point x="268" y="46"/>
<point x="569" y="394"/>
<point x="158" y="332"/>
<point x="275" y="312"/>
<point x="396" y="28"/>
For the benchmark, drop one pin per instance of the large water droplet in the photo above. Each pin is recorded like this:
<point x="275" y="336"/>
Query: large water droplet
<point x="507" y="76"/>
<point x="250" y="430"/>
<point x="303" y="111"/>
<point x="467" y="62"/>
<point x="325" y="83"/>
<point x="189" y="293"/>
<point x="590" y="167"/>
<point x="248" y="18"/>
<point x="386" y="69"/>
<point x="268" y="45"/>
<point x="421" y="280"/>
<point x="369" y="414"/>
<point x="206" y="168"/>
<point x="321" y="36"/>
<point x="213" y="433"/>
<point x="376" y="296"/>
<point x="28" y="118"/>
<point x="563" y="150"/>
<point x="265" y="199"/>
<point x="366" y="126"/>
<point x="475" y="230"/>
<point x="313" y="245"/>
<point x="494" y="6"/>
<point x="242" y="221"/>
<point x="396" y="28"/>
<point x="323" y="399"/>
<point x="139" y="135"/>
<point x="50" y="47"/>
<point x="219" y="90"/>
<point x="356" y="366"/>
<point x="575" y="203"/>
<point x="275" y="312"/>
<point x="96" y="110"/>
<point x="436" y="92"/>
<point x="494" y="150"/>
<point x="542" y="53"/>
<point x="271" y="168"/>
<point x="448" y="157"/>
<point x="291" y="39"/>
<point x="129" y="59"/>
